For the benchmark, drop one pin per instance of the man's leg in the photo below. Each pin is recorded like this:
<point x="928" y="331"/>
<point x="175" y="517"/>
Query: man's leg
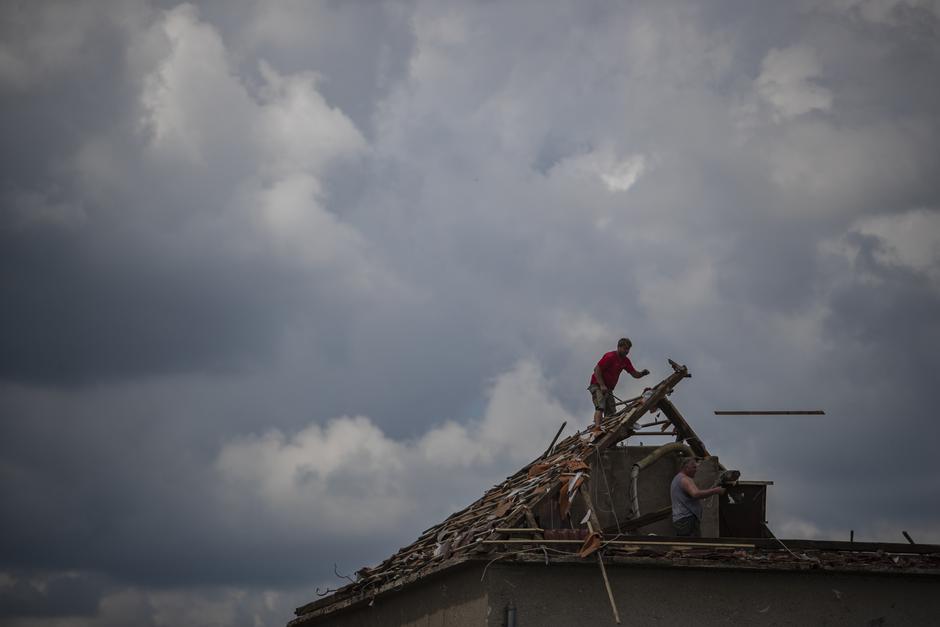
<point x="684" y="527"/>
<point x="610" y="405"/>
<point x="598" y="398"/>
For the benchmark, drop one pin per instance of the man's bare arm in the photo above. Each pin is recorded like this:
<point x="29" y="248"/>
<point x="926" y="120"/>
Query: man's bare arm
<point x="633" y="373"/>
<point x="600" y="378"/>
<point x="692" y="490"/>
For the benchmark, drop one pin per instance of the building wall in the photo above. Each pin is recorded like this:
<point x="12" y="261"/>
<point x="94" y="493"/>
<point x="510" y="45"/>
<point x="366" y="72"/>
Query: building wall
<point x="455" y="598"/>
<point x="653" y="487"/>
<point x="565" y="595"/>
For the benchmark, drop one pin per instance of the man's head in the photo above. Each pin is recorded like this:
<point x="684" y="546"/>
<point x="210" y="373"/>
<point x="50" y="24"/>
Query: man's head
<point x="623" y="346"/>
<point x="689" y="466"/>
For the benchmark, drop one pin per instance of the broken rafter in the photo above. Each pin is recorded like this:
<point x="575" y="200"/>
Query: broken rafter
<point x="592" y="515"/>
<point x="683" y="430"/>
<point x="647" y="519"/>
<point x="655" y="398"/>
<point x="653" y="424"/>
<point x="548" y="451"/>
<point x="530" y="520"/>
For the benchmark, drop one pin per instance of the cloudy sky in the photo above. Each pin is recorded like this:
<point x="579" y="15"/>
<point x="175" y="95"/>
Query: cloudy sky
<point x="285" y="283"/>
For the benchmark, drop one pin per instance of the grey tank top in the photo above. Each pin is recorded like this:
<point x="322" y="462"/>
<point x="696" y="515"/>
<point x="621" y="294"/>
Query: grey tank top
<point x="683" y="505"/>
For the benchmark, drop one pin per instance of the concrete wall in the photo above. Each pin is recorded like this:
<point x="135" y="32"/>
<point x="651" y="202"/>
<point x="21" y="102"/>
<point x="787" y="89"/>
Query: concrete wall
<point x="565" y="595"/>
<point x="452" y="599"/>
<point x="653" y="487"/>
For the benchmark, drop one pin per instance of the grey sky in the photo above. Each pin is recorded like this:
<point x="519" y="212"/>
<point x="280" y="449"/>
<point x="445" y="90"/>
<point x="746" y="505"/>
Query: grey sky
<point x="285" y="283"/>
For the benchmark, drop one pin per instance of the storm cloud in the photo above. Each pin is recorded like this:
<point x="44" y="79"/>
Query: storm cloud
<point x="286" y="283"/>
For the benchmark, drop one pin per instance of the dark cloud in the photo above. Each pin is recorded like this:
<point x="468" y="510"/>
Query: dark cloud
<point x="59" y="595"/>
<point x="88" y="309"/>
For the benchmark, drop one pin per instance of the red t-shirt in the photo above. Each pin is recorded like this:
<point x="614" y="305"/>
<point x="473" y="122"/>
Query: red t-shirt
<point x="611" y="365"/>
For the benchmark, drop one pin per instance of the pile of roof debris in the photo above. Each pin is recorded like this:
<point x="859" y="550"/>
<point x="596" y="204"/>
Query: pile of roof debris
<point x="562" y="470"/>
<point x="766" y="554"/>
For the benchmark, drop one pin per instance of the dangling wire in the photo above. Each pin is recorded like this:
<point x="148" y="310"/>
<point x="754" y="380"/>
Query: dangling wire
<point x="610" y="497"/>
<point x="799" y="557"/>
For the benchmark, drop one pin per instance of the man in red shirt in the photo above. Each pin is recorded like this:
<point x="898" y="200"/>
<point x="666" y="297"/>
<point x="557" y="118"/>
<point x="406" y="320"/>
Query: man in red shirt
<point x="605" y="377"/>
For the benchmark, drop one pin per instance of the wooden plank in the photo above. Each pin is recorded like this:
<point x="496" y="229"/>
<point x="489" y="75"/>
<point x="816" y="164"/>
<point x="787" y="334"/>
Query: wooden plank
<point x="659" y="394"/>
<point x="784" y="412"/>
<point x="610" y="593"/>
<point x="684" y="431"/>
<point x="725" y="545"/>
<point x="520" y="541"/>
<point x="530" y="520"/>
<point x="647" y="519"/>
<point x="653" y="424"/>
<point x="586" y="495"/>
<point x="842" y="545"/>
<point x="554" y="439"/>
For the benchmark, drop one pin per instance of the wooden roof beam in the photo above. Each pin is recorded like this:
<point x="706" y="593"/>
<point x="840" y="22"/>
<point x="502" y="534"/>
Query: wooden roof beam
<point x="649" y="404"/>
<point x="683" y="430"/>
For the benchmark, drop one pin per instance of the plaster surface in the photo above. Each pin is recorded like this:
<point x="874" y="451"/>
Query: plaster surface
<point x="653" y="488"/>
<point x="564" y="595"/>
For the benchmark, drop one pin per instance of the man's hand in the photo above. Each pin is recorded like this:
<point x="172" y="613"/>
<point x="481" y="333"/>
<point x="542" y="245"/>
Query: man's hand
<point x="692" y="490"/>
<point x="644" y="372"/>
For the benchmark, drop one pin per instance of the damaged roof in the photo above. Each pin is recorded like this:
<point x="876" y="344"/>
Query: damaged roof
<point x="562" y="470"/>
<point x="495" y="521"/>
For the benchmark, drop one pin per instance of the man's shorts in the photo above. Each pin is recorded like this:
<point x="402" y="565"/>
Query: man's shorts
<point x="688" y="527"/>
<point x="603" y="401"/>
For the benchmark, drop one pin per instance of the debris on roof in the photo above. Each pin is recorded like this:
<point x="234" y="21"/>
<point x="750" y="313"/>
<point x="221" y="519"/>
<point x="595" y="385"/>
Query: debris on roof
<point x="561" y="470"/>
<point x="503" y="523"/>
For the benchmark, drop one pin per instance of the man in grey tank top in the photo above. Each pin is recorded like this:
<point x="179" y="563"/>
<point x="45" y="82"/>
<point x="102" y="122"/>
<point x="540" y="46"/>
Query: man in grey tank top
<point x="687" y="500"/>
